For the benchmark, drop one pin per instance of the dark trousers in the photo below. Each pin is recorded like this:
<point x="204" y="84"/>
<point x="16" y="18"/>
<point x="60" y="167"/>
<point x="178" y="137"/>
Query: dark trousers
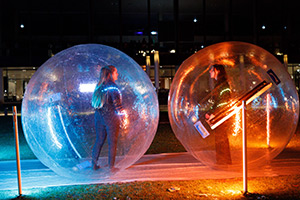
<point x="107" y="126"/>
<point x="223" y="154"/>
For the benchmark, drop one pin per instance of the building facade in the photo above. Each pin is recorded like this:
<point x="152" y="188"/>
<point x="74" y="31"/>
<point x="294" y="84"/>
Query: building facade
<point x="32" y="31"/>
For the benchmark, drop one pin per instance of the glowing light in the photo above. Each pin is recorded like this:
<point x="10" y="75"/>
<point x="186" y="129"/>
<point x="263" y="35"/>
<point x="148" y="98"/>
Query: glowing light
<point x="139" y="33"/>
<point x="237" y="123"/>
<point x="51" y="127"/>
<point x="172" y="51"/>
<point x="221" y="104"/>
<point x="186" y="72"/>
<point x="194" y="119"/>
<point x="225" y="90"/>
<point x="153" y="32"/>
<point x="88" y="87"/>
<point x="293" y="107"/>
<point x="233" y="110"/>
<point x="233" y="192"/>
<point x="228" y="62"/>
<point x="263" y="27"/>
<point x="285" y="58"/>
<point x="268" y="119"/>
<point x="66" y="133"/>
<point x="195" y="20"/>
<point x="22" y="26"/>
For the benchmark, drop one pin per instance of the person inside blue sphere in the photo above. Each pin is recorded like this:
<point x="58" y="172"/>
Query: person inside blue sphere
<point x="221" y="96"/>
<point x="109" y="115"/>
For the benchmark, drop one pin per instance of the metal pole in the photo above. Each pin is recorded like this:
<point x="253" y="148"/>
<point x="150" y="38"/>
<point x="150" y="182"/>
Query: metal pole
<point x="244" y="148"/>
<point x="17" y="149"/>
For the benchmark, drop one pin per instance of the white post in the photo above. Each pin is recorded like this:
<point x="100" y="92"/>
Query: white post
<point x="1" y="86"/>
<point x="285" y="61"/>
<point x="156" y="70"/>
<point x="244" y="148"/>
<point x="15" y="119"/>
<point x="148" y="64"/>
<point x="268" y="119"/>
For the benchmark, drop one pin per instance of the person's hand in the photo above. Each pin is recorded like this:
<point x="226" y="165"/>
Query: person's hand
<point x="209" y="116"/>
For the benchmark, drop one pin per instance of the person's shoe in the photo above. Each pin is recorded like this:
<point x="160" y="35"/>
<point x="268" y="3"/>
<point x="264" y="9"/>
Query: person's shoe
<point x="82" y="166"/>
<point x="96" y="167"/>
<point x="113" y="169"/>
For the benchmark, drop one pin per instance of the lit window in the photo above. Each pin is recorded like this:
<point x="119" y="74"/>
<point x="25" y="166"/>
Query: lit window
<point x="153" y="32"/>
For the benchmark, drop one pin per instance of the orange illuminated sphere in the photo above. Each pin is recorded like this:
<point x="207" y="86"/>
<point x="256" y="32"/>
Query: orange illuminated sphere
<point x="253" y="75"/>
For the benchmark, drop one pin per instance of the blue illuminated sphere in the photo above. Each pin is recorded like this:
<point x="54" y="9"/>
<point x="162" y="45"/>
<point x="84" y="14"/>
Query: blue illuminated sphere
<point x="271" y="115"/>
<point x="58" y="119"/>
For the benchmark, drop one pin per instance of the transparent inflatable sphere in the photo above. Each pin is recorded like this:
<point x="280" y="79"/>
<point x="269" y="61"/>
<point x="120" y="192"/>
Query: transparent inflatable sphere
<point x="58" y="119"/>
<point x="205" y="109"/>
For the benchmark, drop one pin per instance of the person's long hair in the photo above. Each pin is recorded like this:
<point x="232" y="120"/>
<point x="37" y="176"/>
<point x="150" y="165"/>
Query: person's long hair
<point x="222" y="75"/>
<point x="99" y="95"/>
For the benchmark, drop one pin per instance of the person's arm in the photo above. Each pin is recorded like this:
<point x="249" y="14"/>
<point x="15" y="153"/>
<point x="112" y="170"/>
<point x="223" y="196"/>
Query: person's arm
<point x="116" y="97"/>
<point x="220" y="97"/>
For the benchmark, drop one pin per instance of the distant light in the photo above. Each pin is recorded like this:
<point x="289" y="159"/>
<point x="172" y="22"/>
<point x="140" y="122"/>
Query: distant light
<point x="22" y="26"/>
<point x="153" y="32"/>
<point x="195" y="20"/>
<point x="298" y="70"/>
<point x="139" y="33"/>
<point x="89" y="87"/>
<point x="194" y="118"/>
<point x="285" y="27"/>
<point x="263" y="27"/>
<point x="153" y="50"/>
<point x="172" y="51"/>
<point x="202" y="46"/>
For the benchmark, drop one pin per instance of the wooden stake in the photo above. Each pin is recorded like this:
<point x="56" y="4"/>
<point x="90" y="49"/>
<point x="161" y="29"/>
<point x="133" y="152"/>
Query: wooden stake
<point x="15" y="119"/>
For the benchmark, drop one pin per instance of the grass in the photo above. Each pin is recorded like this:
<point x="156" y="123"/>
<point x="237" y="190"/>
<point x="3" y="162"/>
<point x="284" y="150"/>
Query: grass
<point x="285" y="187"/>
<point x="7" y="139"/>
<point x="280" y="187"/>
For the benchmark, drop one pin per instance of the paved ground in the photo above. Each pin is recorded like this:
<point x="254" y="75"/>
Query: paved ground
<point x="171" y="166"/>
